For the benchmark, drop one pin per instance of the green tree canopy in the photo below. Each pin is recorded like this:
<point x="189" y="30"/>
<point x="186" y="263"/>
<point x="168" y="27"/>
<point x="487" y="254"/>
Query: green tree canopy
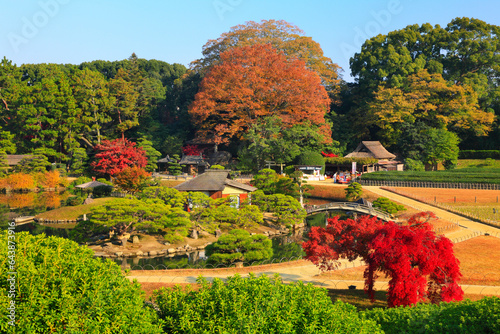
<point x="125" y="215"/>
<point x="465" y="53"/>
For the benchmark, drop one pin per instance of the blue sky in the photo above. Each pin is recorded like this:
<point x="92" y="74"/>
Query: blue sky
<point x="74" y="31"/>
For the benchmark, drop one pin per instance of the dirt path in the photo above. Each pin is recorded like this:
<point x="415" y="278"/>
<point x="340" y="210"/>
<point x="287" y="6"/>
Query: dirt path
<point x="307" y="273"/>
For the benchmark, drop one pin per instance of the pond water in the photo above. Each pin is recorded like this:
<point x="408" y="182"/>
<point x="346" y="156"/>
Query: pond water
<point x="31" y="203"/>
<point x="285" y="248"/>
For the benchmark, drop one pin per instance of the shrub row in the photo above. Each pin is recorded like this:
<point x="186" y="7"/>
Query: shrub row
<point x="477" y="317"/>
<point x="479" y="154"/>
<point x="464" y="175"/>
<point x="257" y="305"/>
<point x="349" y="161"/>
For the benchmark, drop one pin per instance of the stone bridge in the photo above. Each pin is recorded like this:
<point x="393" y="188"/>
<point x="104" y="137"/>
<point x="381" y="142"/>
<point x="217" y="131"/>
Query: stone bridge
<point x="350" y="206"/>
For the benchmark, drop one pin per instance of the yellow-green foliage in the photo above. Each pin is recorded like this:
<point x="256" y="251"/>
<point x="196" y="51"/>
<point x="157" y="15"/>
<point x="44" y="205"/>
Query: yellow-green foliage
<point x="61" y="287"/>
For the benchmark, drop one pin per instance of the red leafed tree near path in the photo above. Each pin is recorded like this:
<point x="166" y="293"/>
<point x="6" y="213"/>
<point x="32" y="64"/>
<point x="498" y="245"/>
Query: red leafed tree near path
<point x="114" y="156"/>
<point x="255" y="81"/>
<point x="420" y="264"/>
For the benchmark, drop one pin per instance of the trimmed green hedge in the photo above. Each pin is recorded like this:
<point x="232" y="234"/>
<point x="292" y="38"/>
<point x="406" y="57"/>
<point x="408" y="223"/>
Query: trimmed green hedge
<point x="479" y="154"/>
<point x="482" y="316"/>
<point x="348" y="161"/>
<point x="257" y="305"/>
<point x="463" y="175"/>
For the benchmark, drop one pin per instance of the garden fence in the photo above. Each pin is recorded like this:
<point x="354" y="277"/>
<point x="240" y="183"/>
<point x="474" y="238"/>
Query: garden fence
<point x="427" y="184"/>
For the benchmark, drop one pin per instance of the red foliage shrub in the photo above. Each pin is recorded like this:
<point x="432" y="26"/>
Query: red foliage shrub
<point x="191" y="150"/>
<point x="329" y="155"/>
<point x="114" y="156"/>
<point x="420" y="263"/>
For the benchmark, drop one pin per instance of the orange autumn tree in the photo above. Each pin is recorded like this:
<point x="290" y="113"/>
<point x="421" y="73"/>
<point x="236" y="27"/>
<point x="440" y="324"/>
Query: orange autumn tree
<point x="132" y="179"/>
<point x="283" y="36"/>
<point x="252" y="82"/>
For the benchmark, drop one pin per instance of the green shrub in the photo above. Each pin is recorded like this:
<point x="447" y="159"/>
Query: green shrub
<point x="286" y="209"/>
<point x="482" y="316"/>
<point x="217" y="167"/>
<point x="310" y="158"/>
<point x="353" y="192"/>
<point x="80" y="180"/>
<point x="489" y="162"/>
<point x="257" y="305"/>
<point x="74" y="201"/>
<point x="411" y="164"/>
<point x="62" y="288"/>
<point x="388" y="206"/>
<point x="239" y="245"/>
<point x="102" y="191"/>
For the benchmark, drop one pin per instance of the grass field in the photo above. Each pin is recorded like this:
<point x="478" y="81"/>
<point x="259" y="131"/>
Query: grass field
<point x="479" y="204"/>
<point x="478" y="163"/>
<point x="72" y="212"/>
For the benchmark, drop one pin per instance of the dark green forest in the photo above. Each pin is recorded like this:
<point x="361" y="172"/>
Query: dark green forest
<point x="420" y="82"/>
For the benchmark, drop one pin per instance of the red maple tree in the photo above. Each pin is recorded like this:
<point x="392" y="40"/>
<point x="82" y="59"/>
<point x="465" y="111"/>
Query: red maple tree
<point x="250" y="82"/>
<point x="420" y="263"/>
<point x="192" y="150"/>
<point x="114" y="156"/>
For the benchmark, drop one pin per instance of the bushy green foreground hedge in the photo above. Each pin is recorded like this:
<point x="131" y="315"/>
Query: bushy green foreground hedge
<point x="466" y="317"/>
<point x="258" y="305"/>
<point x="61" y="288"/>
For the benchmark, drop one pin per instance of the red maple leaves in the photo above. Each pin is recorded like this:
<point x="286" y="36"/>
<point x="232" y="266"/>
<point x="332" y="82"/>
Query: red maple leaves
<point x="420" y="263"/>
<point x="114" y="156"/>
<point x="329" y="155"/>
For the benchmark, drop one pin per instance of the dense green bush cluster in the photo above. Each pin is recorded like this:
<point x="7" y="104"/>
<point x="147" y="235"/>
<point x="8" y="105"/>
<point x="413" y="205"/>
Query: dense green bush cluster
<point x="62" y="288"/>
<point x="286" y="209"/>
<point x="466" y="317"/>
<point x="257" y="305"/>
<point x="239" y="245"/>
<point x="479" y="154"/>
<point x="385" y="204"/>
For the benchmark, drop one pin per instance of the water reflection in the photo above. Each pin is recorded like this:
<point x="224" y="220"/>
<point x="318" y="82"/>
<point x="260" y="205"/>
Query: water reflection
<point x="32" y="203"/>
<point x="35" y="228"/>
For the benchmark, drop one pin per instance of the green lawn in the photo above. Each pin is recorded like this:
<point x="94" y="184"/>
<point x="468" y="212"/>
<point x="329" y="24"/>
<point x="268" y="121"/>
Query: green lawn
<point x="73" y="212"/>
<point x="478" y="163"/>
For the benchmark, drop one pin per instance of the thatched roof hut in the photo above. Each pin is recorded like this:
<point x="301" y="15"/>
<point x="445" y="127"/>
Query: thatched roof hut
<point x="371" y="149"/>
